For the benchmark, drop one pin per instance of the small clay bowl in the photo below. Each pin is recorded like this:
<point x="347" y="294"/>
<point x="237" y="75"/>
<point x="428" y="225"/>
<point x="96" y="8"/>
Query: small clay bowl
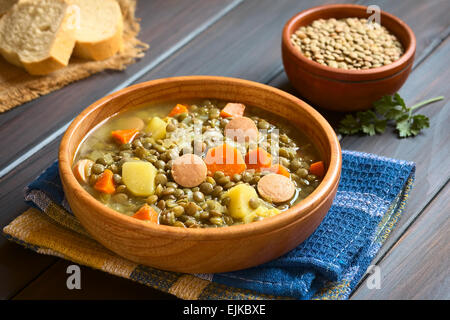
<point x="210" y="249"/>
<point x="339" y="89"/>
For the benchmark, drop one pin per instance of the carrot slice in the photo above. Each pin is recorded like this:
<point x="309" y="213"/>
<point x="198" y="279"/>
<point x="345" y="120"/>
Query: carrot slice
<point x="146" y="213"/>
<point x="317" y="168"/>
<point x="279" y="169"/>
<point x="225" y="158"/>
<point x="105" y="182"/>
<point x="258" y="158"/>
<point x="233" y="110"/>
<point x="124" y="136"/>
<point x="179" y="108"/>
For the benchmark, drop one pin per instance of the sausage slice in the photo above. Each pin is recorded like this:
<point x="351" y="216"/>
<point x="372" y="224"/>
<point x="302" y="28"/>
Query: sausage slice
<point x="131" y="123"/>
<point x="80" y="170"/>
<point x="189" y="170"/>
<point x="276" y="188"/>
<point x="242" y="130"/>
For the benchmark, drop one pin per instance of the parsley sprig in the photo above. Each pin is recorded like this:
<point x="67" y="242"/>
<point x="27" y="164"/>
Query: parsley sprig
<point x="389" y="110"/>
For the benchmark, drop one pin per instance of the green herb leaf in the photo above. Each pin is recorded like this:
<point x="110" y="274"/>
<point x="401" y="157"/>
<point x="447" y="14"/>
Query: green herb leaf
<point x="400" y="101"/>
<point x="394" y="114"/>
<point x="380" y="126"/>
<point x="419" y="122"/>
<point x="366" y="116"/>
<point x="384" y="105"/>
<point x="369" y="129"/>
<point x="349" y="125"/>
<point x="388" y="110"/>
<point x="404" y="128"/>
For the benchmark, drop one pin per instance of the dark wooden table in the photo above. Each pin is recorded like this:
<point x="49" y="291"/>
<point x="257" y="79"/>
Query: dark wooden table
<point x="241" y="38"/>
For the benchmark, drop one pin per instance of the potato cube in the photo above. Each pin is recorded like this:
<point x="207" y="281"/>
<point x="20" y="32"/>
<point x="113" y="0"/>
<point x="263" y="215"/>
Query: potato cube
<point x="139" y="177"/>
<point x="261" y="211"/>
<point x="157" y="127"/>
<point x="240" y="195"/>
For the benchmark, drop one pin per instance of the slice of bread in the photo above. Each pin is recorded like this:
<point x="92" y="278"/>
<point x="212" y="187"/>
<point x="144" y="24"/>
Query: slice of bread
<point x="38" y="35"/>
<point x="99" y="35"/>
<point x="5" y="5"/>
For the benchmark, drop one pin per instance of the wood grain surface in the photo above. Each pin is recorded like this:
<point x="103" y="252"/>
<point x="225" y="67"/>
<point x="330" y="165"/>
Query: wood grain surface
<point x="427" y="80"/>
<point x="418" y="266"/>
<point x="26" y="126"/>
<point x="244" y="41"/>
<point x="431" y="148"/>
<point x="270" y="17"/>
<point x="29" y="124"/>
<point x="95" y="285"/>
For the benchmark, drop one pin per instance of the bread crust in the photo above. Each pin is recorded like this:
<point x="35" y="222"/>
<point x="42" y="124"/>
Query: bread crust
<point x="5" y="5"/>
<point x="61" y="49"/>
<point x="101" y="50"/>
<point x="59" y="54"/>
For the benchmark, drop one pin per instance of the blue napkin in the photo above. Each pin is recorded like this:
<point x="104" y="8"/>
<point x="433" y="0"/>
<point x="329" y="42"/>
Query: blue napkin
<point x="371" y="197"/>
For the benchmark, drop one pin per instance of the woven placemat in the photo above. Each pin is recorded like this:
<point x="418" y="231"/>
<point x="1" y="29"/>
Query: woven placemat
<point x="18" y="87"/>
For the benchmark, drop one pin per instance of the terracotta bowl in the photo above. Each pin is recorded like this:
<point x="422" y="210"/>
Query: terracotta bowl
<point x="339" y="89"/>
<point x="202" y="250"/>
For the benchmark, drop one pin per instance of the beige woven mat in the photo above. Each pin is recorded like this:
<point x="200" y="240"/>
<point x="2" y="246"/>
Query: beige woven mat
<point x="18" y="87"/>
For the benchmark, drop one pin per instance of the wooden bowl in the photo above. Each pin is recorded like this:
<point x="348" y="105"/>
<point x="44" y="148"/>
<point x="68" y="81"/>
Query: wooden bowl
<point x="202" y="250"/>
<point x="339" y="89"/>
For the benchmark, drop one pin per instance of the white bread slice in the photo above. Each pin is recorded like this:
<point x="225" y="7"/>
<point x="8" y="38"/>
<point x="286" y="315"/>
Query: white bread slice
<point x="5" y="5"/>
<point x="101" y="26"/>
<point x="38" y="35"/>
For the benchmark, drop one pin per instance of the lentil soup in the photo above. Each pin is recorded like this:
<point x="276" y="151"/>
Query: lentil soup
<point x="198" y="164"/>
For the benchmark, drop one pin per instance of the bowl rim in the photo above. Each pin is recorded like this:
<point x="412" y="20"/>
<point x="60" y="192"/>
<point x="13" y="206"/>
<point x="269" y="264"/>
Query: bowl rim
<point x="300" y="211"/>
<point x="353" y="75"/>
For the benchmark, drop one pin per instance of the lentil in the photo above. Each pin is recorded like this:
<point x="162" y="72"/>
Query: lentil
<point x="152" y="199"/>
<point x="198" y="196"/>
<point x="161" y="179"/>
<point x="254" y="203"/>
<point x="161" y="204"/>
<point x="353" y="42"/>
<point x="206" y="187"/>
<point x="207" y="204"/>
<point x="191" y="208"/>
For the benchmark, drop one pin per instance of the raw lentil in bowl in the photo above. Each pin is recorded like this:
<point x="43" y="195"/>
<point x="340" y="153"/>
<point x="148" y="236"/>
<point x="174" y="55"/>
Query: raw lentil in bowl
<point x="198" y="164"/>
<point x="349" y="44"/>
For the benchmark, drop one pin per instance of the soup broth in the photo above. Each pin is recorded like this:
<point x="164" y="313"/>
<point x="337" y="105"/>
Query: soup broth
<point x="198" y="164"/>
